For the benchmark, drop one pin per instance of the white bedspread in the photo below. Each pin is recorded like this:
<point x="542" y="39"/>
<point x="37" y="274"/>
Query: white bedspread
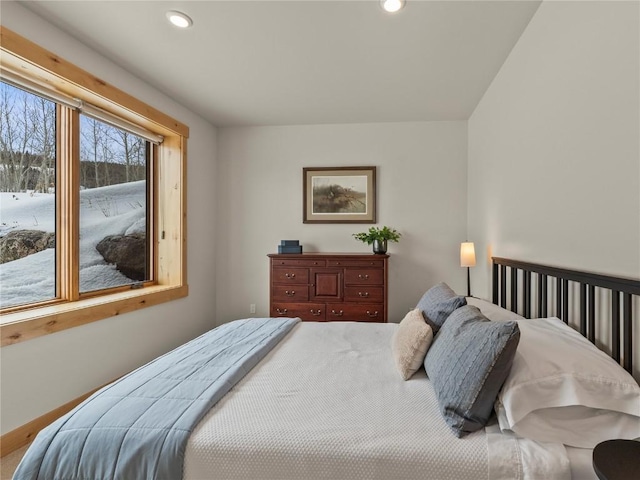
<point x="327" y="403"/>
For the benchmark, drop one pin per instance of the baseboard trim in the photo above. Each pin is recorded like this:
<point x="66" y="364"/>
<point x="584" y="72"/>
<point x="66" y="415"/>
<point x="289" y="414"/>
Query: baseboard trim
<point x="21" y="436"/>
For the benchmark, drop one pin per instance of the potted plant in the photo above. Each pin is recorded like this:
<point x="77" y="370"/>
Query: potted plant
<point x="378" y="237"/>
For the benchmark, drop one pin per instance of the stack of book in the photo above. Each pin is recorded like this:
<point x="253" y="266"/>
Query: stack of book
<point x="289" y="246"/>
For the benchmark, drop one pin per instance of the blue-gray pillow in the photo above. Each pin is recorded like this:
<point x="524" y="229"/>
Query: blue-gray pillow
<point x="467" y="364"/>
<point x="438" y="303"/>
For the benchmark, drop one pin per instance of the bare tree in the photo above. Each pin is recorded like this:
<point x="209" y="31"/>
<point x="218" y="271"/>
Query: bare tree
<point x="27" y="138"/>
<point x="44" y="116"/>
<point x="91" y="149"/>
<point x="132" y="149"/>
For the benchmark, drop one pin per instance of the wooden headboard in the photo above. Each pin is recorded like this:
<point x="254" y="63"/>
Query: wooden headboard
<point x="515" y="288"/>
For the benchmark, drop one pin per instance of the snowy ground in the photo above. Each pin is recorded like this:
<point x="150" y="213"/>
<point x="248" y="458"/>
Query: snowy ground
<point x="113" y="210"/>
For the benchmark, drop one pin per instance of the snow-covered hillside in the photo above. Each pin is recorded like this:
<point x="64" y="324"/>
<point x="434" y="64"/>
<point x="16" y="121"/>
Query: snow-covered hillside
<point x="112" y="210"/>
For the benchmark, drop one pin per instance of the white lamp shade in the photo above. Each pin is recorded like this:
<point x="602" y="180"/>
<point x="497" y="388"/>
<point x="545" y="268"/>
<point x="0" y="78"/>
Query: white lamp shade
<point x="467" y="254"/>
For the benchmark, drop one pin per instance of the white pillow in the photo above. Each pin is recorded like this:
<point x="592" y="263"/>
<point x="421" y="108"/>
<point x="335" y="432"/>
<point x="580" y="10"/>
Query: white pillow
<point x="492" y="311"/>
<point x="561" y="388"/>
<point x="410" y="343"/>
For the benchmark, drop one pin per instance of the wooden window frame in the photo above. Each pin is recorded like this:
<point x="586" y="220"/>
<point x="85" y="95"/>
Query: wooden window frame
<point x="24" y="58"/>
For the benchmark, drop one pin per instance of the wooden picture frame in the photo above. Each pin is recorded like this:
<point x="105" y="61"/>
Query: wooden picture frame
<point x="339" y="194"/>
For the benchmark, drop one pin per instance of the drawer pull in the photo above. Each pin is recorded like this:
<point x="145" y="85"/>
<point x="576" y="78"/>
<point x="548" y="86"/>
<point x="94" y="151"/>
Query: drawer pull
<point x="316" y="313"/>
<point x="290" y="293"/>
<point x="290" y="275"/>
<point x="284" y="311"/>
<point x="363" y="277"/>
<point x="372" y="315"/>
<point x="363" y="294"/>
<point x="337" y="314"/>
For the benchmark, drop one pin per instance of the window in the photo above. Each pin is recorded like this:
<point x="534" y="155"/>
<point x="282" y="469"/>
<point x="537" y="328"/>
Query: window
<point x="114" y="247"/>
<point x="92" y="192"/>
<point x="27" y="197"/>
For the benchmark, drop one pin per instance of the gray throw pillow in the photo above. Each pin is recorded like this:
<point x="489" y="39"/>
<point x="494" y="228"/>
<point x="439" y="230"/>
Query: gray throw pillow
<point x="438" y="303"/>
<point x="467" y="364"/>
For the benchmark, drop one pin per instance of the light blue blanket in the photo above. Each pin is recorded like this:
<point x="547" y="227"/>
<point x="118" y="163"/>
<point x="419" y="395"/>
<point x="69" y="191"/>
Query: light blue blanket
<point x="138" y="427"/>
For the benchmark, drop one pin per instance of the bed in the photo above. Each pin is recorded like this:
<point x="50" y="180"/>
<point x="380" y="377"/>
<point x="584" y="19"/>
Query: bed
<point x="327" y="400"/>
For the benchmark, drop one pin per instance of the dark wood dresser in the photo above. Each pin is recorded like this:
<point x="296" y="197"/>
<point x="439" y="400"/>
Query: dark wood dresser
<point x="326" y="287"/>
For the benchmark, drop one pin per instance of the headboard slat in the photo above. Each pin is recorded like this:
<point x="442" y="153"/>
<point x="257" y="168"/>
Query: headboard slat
<point x="626" y="333"/>
<point x="514" y="289"/>
<point x="592" y="314"/>
<point x="503" y="286"/>
<point x="615" y="325"/>
<point x="583" y="309"/>
<point x="494" y="279"/>
<point x="558" y="298"/>
<point x="526" y="285"/>
<point x="565" y="301"/>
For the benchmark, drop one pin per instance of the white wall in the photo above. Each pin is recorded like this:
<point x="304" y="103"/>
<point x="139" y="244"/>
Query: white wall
<point x="42" y="374"/>
<point x="554" y="160"/>
<point x="421" y="192"/>
<point x="554" y="152"/>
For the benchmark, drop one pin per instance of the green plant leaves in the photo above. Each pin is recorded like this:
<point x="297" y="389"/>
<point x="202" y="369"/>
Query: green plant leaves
<point x="375" y="233"/>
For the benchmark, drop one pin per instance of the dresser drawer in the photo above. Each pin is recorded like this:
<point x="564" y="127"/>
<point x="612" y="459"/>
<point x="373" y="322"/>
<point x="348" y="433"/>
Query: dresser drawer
<point x="290" y="294"/>
<point x="366" y="312"/>
<point x="290" y="275"/>
<point x="293" y="262"/>
<point x="306" y="311"/>
<point x="364" y="293"/>
<point x="347" y="262"/>
<point x="363" y="276"/>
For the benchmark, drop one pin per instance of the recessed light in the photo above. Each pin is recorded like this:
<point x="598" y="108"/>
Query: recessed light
<point x="179" y="19"/>
<point x="392" y="6"/>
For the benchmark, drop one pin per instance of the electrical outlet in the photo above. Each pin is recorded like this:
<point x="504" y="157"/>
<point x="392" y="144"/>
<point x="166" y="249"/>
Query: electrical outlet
<point x="252" y="308"/>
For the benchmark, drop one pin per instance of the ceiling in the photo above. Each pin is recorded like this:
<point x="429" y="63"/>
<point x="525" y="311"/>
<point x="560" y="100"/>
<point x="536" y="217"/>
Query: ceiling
<point x="305" y="62"/>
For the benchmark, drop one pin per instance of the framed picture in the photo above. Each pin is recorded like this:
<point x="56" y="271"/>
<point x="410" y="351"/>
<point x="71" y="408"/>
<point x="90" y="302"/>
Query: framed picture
<point x="339" y="195"/>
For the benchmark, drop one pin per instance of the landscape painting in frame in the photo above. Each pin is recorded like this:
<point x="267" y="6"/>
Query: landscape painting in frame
<point x="339" y="195"/>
